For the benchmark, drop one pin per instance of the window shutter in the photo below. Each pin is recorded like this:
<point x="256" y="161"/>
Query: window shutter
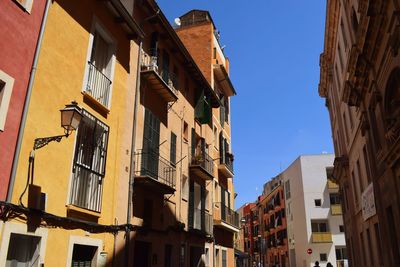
<point x="173" y="149"/>
<point x="223" y="209"/>
<point x="191" y="203"/>
<point x="222" y="148"/>
<point x="193" y="149"/>
<point x="203" y="207"/>
<point x="222" y="112"/>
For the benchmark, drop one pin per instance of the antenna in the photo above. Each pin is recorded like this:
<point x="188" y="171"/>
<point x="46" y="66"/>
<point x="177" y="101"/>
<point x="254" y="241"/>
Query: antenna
<point x="177" y="21"/>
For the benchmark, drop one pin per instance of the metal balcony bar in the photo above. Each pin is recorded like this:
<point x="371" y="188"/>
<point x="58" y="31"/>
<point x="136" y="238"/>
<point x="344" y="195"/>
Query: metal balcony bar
<point x="154" y="166"/>
<point x="87" y="188"/>
<point x="228" y="215"/>
<point x="98" y="85"/>
<point x="159" y="77"/>
<point x="202" y="221"/>
<point x="227" y="161"/>
<point x="203" y="160"/>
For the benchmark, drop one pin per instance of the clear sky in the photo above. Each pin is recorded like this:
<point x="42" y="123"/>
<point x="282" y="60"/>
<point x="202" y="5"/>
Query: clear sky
<point x="277" y="115"/>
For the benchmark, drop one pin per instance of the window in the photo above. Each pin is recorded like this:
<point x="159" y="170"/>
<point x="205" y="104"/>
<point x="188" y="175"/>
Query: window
<point x="319" y="226"/>
<point x="224" y="262"/>
<point x="207" y="204"/>
<point x="168" y="255"/>
<point x="23" y="250"/>
<point x="207" y="257"/>
<point x="182" y="256"/>
<point x="185" y="187"/>
<point x="100" y="66"/>
<point x="378" y="243"/>
<point x="215" y="130"/>
<point x="185" y="131"/>
<point x="341" y="253"/>
<point x="317" y="202"/>
<point x="334" y="198"/>
<point x="173" y="149"/>
<point x="89" y="163"/>
<point x="83" y="255"/>
<point x="287" y="189"/>
<point x="6" y="86"/>
<point x="323" y="257"/>
<point x="341" y="228"/>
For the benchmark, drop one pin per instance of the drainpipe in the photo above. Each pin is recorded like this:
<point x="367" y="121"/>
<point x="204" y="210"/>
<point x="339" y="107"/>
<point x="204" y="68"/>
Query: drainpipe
<point x="27" y="101"/>
<point x="133" y="163"/>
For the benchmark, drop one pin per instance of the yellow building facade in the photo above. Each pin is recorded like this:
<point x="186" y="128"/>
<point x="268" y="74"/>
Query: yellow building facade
<point x="81" y="183"/>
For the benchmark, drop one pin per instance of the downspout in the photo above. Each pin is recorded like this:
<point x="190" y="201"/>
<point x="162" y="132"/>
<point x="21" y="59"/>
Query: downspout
<point x="27" y="101"/>
<point x="133" y="163"/>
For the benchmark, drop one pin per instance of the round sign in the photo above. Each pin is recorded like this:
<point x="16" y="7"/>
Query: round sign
<point x="309" y="251"/>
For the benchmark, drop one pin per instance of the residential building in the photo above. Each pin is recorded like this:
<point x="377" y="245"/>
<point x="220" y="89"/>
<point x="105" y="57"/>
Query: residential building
<point x="202" y="39"/>
<point x="313" y="212"/>
<point x="248" y="232"/>
<point x="273" y="226"/>
<point x="360" y="70"/>
<point x="66" y="207"/>
<point x="174" y="161"/>
<point x="241" y="257"/>
<point x="20" y="23"/>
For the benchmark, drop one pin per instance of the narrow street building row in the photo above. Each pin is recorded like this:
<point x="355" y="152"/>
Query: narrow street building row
<point x="138" y="168"/>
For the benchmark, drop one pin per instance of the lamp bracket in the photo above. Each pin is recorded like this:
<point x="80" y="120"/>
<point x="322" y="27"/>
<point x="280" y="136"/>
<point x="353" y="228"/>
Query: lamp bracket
<point x="41" y="142"/>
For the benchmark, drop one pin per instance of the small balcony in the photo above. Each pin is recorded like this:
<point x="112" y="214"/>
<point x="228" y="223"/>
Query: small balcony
<point x="321" y="237"/>
<point x="226" y="165"/>
<point x="201" y="222"/>
<point x="225" y="217"/>
<point x="332" y="185"/>
<point x="336" y="209"/>
<point x="202" y="165"/>
<point x="98" y="85"/>
<point x="155" y="173"/>
<point x="161" y="81"/>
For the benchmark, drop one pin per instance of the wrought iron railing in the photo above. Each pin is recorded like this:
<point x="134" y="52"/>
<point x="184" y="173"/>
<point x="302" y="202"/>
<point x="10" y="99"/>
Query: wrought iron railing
<point x="87" y="188"/>
<point x="98" y="85"/>
<point x="227" y="160"/>
<point x="150" y="61"/>
<point x="170" y="79"/>
<point x="202" y="159"/>
<point x="202" y="221"/>
<point x="228" y="215"/>
<point x="156" y="167"/>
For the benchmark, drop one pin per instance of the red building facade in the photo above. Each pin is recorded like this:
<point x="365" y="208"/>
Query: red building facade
<point x="20" y="23"/>
<point x="274" y="228"/>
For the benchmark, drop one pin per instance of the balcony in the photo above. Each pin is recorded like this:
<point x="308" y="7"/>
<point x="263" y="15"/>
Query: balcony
<point x="319" y="237"/>
<point x="225" y="217"/>
<point x="161" y="81"/>
<point x="98" y="85"/>
<point x="155" y="173"/>
<point x="202" y="165"/>
<point x="332" y="185"/>
<point x="201" y="222"/>
<point x="336" y="209"/>
<point x="226" y="165"/>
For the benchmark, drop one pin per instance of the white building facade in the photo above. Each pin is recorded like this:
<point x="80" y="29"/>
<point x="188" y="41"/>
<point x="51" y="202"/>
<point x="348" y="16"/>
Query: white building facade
<point x="313" y="211"/>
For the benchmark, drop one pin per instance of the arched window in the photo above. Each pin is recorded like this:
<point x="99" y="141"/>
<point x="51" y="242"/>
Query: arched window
<point x="392" y="105"/>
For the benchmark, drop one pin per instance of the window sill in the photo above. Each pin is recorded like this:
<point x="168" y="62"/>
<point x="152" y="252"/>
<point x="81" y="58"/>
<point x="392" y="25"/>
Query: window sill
<point x="81" y="213"/>
<point x="96" y="105"/>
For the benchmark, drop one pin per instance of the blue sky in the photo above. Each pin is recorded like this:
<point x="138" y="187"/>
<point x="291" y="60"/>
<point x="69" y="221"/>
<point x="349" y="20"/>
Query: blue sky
<point x="274" y="48"/>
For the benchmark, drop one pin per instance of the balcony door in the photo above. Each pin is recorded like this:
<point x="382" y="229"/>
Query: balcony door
<point x="151" y="140"/>
<point x="196" y="206"/>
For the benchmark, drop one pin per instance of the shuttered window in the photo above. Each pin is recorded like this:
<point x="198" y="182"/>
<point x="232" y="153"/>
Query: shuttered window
<point x="89" y="163"/>
<point x="173" y="149"/>
<point x="151" y="140"/>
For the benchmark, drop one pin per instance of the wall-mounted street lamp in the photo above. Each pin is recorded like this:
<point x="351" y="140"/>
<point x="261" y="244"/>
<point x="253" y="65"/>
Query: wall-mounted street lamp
<point x="71" y="116"/>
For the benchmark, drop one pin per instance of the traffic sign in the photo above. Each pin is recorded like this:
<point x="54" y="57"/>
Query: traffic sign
<point x="309" y="251"/>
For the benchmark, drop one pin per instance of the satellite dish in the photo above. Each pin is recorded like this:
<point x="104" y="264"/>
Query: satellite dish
<point x="177" y="21"/>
